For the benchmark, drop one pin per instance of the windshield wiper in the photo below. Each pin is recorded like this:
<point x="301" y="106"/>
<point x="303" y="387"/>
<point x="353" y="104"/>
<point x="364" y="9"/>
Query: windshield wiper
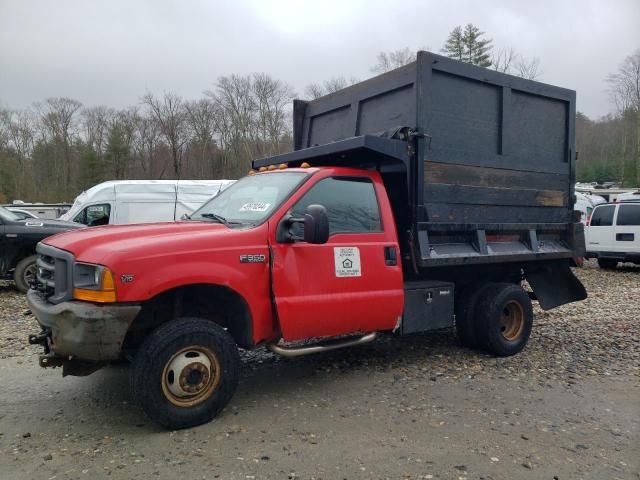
<point x="217" y="217"/>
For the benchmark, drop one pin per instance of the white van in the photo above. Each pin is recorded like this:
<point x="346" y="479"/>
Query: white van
<point x="141" y="201"/>
<point x="613" y="234"/>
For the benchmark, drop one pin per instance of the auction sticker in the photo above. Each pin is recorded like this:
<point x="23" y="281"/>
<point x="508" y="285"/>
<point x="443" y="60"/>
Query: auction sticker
<point x="347" y="261"/>
<point x="255" y="207"/>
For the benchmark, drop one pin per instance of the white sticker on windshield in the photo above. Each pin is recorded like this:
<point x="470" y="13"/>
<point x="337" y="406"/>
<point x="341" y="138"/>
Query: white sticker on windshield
<point x="255" y="207"/>
<point x="347" y="261"/>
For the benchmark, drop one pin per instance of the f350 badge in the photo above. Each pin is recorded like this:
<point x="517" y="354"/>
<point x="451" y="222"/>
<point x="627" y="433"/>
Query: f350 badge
<point x="253" y="258"/>
<point x="126" y="278"/>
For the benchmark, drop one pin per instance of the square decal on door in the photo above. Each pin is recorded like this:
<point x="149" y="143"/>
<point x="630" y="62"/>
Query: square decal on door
<point x="347" y="261"/>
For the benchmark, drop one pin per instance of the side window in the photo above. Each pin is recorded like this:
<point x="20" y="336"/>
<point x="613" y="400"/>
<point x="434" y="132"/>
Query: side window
<point x="94" y="215"/>
<point x="629" y="215"/>
<point x="603" y="216"/>
<point x="351" y="203"/>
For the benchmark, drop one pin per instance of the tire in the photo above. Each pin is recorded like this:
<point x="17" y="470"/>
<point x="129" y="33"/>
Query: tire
<point x="607" y="263"/>
<point x="505" y="319"/>
<point x="465" y="311"/>
<point x="212" y="376"/>
<point x="23" y="273"/>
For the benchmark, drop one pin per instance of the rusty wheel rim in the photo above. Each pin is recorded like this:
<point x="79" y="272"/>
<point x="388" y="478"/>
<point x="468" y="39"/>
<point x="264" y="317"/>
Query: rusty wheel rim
<point x="191" y="376"/>
<point x="511" y="322"/>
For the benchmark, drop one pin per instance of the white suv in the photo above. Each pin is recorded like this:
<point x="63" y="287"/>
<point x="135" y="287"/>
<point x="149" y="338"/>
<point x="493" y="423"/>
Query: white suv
<point x="613" y="234"/>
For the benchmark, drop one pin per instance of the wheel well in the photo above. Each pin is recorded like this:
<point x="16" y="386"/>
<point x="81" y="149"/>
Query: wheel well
<point x="216" y="303"/>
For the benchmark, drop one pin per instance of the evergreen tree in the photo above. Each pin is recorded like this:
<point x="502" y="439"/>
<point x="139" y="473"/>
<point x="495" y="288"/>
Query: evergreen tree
<point x="469" y="46"/>
<point x="454" y="48"/>
<point x="117" y="150"/>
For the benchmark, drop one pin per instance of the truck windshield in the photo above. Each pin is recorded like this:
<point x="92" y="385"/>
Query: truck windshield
<point x="8" y="215"/>
<point x="250" y="200"/>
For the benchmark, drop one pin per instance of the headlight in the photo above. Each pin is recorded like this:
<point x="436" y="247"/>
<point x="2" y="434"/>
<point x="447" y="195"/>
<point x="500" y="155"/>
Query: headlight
<point x="93" y="283"/>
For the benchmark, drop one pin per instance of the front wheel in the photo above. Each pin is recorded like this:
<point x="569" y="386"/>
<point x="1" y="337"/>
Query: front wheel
<point x="25" y="273"/>
<point x="505" y="318"/>
<point x="185" y="373"/>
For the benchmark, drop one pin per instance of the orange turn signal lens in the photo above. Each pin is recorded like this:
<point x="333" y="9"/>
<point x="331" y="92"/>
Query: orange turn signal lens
<point x="282" y="166"/>
<point x="305" y="165"/>
<point x="106" y="294"/>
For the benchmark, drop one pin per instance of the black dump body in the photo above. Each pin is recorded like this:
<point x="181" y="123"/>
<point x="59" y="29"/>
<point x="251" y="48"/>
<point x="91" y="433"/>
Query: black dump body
<point x="479" y="165"/>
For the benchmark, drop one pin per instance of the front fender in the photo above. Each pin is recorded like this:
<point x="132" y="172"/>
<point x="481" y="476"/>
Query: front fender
<point x="249" y="280"/>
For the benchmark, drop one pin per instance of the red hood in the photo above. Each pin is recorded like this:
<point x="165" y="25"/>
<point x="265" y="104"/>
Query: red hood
<point x="95" y="243"/>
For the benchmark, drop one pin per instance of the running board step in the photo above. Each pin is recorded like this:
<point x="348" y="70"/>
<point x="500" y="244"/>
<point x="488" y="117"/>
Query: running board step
<point x="321" y="347"/>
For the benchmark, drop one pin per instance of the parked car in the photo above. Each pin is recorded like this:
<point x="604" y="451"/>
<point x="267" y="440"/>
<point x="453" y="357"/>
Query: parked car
<point x="40" y="210"/>
<point x="365" y="228"/>
<point x="22" y="214"/>
<point x="18" y="240"/>
<point x="141" y="201"/>
<point x="613" y="234"/>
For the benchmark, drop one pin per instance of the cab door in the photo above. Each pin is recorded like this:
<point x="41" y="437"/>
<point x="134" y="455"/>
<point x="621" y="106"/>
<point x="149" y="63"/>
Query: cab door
<point x="627" y="229"/>
<point x="600" y="235"/>
<point x="353" y="283"/>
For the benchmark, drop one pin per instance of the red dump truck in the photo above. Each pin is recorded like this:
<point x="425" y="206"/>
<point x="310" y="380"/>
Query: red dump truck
<point x="417" y="200"/>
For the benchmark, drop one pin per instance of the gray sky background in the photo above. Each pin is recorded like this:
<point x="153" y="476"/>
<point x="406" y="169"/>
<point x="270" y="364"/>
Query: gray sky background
<point x="112" y="51"/>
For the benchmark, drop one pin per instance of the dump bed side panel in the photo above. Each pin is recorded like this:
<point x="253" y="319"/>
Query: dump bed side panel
<point x="370" y="107"/>
<point x="500" y="147"/>
<point x="490" y="161"/>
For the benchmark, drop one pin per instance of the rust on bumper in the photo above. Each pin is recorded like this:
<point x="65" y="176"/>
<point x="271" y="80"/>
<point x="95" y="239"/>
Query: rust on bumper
<point x="83" y="330"/>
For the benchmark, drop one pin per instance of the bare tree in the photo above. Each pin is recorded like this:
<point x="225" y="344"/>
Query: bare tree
<point x="507" y="60"/>
<point x="315" y="90"/>
<point x="235" y="111"/>
<point x="624" y="85"/>
<point x="145" y="142"/>
<point x="529" y="69"/>
<point x="272" y="98"/>
<point x="502" y="60"/>
<point x="171" y="115"/>
<point x="95" y="121"/>
<point x="58" y="119"/>
<point x="202" y="120"/>
<point x="394" y="59"/>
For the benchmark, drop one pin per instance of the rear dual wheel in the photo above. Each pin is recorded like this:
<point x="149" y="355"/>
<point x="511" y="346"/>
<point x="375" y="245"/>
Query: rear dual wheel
<point x="497" y="317"/>
<point x="185" y="372"/>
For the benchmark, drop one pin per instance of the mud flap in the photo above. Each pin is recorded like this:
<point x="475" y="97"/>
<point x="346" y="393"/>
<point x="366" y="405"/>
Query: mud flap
<point x="554" y="285"/>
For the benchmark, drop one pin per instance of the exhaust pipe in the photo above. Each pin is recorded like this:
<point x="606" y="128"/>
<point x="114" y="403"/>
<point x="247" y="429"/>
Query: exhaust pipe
<point x="317" y="348"/>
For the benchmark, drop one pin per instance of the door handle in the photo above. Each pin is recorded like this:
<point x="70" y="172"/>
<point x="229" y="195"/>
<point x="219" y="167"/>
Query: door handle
<point x="390" y="256"/>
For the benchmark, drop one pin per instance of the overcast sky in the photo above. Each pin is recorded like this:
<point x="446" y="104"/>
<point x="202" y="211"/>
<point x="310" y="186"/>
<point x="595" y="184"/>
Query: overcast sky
<point x="112" y="51"/>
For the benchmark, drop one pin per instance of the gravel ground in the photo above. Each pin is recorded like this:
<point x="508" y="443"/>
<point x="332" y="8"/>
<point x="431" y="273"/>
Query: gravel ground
<point x="568" y="406"/>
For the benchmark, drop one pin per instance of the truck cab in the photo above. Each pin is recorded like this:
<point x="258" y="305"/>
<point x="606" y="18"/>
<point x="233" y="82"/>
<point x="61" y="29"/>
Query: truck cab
<point x="364" y="229"/>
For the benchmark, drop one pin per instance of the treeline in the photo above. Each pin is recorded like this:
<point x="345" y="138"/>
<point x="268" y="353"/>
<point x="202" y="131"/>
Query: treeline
<point x="609" y="148"/>
<point x="59" y="147"/>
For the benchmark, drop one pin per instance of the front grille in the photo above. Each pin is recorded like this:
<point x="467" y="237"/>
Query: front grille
<point x="54" y="278"/>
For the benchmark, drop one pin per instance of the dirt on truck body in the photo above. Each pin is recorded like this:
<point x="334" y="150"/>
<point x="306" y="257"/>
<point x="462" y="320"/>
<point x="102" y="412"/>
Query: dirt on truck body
<point x="417" y="200"/>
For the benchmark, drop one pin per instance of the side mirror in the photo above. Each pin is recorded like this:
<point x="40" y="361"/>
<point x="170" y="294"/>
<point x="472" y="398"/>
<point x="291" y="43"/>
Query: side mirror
<point x="316" y="224"/>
